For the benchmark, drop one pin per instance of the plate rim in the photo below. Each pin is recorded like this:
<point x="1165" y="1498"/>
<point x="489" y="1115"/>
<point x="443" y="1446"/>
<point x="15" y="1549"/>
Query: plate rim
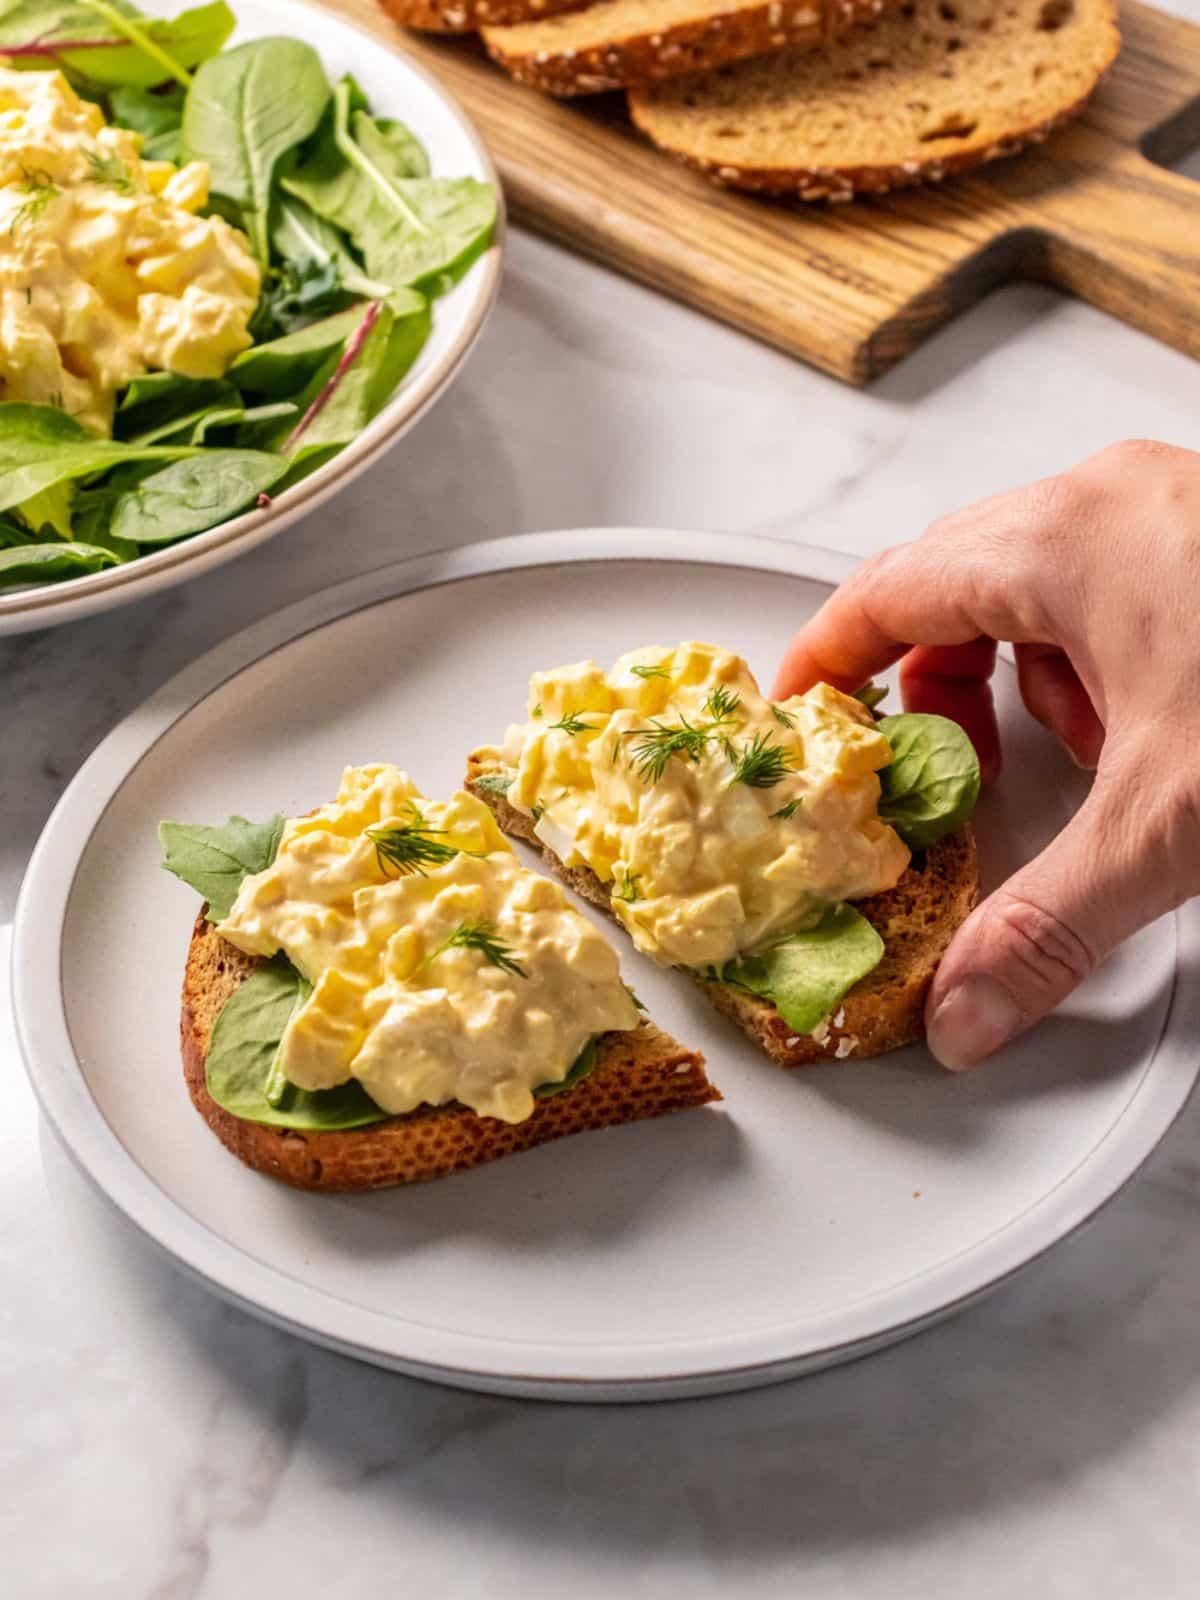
<point x="581" y="1371"/>
<point x="48" y="605"/>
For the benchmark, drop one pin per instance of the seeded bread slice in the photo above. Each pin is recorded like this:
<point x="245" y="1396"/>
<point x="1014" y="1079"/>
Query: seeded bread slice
<point x="883" y="1011"/>
<point x="643" y="1073"/>
<point x="468" y="16"/>
<point x="620" y="42"/>
<point x="941" y="86"/>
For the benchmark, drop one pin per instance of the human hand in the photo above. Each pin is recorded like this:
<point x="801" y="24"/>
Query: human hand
<point x="1094" y="577"/>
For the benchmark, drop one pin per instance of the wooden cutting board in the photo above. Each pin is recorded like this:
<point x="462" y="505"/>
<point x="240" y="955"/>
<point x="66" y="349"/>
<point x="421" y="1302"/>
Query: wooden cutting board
<point x="854" y="288"/>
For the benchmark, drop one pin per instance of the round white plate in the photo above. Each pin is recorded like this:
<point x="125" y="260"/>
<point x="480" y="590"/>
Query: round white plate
<point x="814" y="1216"/>
<point x="397" y="87"/>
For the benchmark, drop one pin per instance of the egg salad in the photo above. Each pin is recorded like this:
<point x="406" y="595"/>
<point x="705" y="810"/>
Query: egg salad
<point x="107" y="271"/>
<point x="722" y="820"/>
<point x="441" y="969"/>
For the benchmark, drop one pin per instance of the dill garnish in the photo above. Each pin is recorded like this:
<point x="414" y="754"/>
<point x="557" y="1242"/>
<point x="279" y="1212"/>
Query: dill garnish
<point x="572" y="724"/>
<point x="110" y="170"/>
<point x="40" y="188"/>
<point x="408" y="847"/>
<point x="536" y="712"/>
<point x="722" y="703"/>
<point x="762" y="763"/>
<point x="481" y="936"/>
<point x="788" y="810"/>
<point x="784" y="718"/>
<point x="629" y="889"/>
<point x="654" y="746"/>
<point x="651" y="672"/>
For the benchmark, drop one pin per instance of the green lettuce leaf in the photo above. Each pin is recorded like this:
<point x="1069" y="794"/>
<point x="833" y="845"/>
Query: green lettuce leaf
<point x="932" y="784"/>
<point x="213" y="861"/>
<point x="806" y="975"/>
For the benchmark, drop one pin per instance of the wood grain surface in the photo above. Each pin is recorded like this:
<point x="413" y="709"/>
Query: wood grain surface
<point x="854" y="288"/>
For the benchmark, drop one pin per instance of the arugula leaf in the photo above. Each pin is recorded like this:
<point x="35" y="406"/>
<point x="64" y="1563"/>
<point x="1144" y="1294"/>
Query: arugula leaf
<point x="213" y="861"/>
<point x="579" y="1069"/>
<point x="411" y="232"/>
<point x="39" y="563"/>
<point x="189" y="496"/>
<point x="246" y="108"/>
<point x="41" y="446"/>
<point x="932" y="785"/>
<point x="245" y="1041"/>
<point x="807" y="974"/>
<point x="115" y="46"/>
<point x="158" y="117"/>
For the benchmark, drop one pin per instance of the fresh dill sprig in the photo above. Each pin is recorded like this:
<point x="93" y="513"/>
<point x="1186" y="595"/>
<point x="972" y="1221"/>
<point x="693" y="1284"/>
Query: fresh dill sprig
<point x="784" y="718"/>
<point x="572" y="724"/>
<point x="629" y="889"/>
<point x="537" y="810"/>
<point x="722" y="703"/>
<point x="110" y="170"/>
<point x="537" y="711"/>
<point x="481" y="936"/>
<point x="654" y="746"/>
<point x="762" y="763"/>
<point x="659" y="671"/>
<point x="40" y="188"/>
<point x="788" y="810"/>
<point x="407" y="847"/>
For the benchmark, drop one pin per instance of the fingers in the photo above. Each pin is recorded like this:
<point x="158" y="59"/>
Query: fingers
<point x="953" y="681"/>
<point x="1051" y="690"/>
<point x="1123" y="860"/>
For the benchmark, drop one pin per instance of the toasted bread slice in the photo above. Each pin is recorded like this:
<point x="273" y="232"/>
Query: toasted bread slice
<point x="933" y="90"/>
<point x="885" y="1010"/>
<point x="643" y="1073"/>
<point x="468" y="16"/>
<point x="619" y="42"/>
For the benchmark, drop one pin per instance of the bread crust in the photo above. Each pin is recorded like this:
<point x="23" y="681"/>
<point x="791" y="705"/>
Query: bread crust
<point x="545" y="57"/>
<point x="468" y="16"/>
<point x="885" y="1010"/>
<point x="643" y="1073"/>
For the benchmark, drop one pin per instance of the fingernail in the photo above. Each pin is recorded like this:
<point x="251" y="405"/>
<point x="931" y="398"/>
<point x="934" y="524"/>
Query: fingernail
<point x="975" y="1018"/>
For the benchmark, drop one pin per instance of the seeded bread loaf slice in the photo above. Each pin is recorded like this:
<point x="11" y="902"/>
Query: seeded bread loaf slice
<point x="883" y="1011"/>
<point x="468" y="16"/>
<point x="620" y="42"/>
<point x="941" y="86"/>
<point x="643" y="1073"/>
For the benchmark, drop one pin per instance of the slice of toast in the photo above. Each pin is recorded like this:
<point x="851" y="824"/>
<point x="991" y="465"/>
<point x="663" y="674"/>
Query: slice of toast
<point x="883" y="1011"/>
<point x="643" y="1073"/>
<point x="937" y="88"/>
<point x="468" y="16"/>
<point x="619" y="42"/>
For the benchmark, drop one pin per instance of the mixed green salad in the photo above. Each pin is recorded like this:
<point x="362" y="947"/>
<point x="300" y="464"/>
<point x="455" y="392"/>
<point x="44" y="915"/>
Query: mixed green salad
<point x="354" y="238"/>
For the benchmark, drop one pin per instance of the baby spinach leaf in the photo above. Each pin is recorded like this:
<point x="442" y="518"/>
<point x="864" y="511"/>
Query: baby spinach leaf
<point x="118" y="46"/>
<point x="300" y="236"/>
<point x="246" y="108"/>
<point x="932" y="784"/>
<point x="579" y="1069"/>
<point x="189" y="496"/>
<point x="158" y="117"/>
<point x="214" y="860"/>
<point x="49" y="511"/>
<point x="41" y="446"/>
<point x="159" y="404"/>
<point x="807" y="974"/>
<point x="245" y="1041"/>
<point x="415" y="232"/>
<point x="283" y="367"/>
<point x="42" y="563"/>
<point x="410" y="159"/>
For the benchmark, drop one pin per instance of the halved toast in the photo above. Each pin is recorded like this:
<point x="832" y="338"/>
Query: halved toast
<point x="885" y="1010"/>
<point x="468" y="16"/>
<point x="643" y="1073"/>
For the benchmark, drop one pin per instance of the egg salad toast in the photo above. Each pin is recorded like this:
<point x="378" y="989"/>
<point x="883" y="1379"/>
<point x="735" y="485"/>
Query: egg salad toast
<point x="379" y="993"/>
<point x="805" y="862"/>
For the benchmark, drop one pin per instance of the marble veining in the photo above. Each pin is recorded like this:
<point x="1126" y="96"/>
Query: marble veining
<point x="159" y="1445"/>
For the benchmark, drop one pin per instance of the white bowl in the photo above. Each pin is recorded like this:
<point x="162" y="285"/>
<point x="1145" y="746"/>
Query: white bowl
<point x="397" y="87"/>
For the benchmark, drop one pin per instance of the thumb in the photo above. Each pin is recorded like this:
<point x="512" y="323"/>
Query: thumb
<point x="1117" y="865"/>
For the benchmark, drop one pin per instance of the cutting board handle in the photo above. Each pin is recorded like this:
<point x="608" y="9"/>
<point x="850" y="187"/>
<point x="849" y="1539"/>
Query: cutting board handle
<point x="1127" y="239"/>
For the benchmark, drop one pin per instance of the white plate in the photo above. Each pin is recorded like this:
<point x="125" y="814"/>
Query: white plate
<point x="814" y="1216"/>
<point x="397" y="87"/>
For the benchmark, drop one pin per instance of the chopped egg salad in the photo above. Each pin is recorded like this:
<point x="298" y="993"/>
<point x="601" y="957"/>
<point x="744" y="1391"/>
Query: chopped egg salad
<point x="441" y="969"/>
<point x="107" y="270"/>
<point x="723" y="821"/>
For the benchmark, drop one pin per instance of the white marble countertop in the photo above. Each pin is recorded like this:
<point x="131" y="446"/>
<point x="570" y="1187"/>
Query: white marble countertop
<point x="157" y="1445"/>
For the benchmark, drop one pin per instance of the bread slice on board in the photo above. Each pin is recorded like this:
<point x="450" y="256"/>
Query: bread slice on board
<point x="885" y="1010"/>
<point x="639" y="1074"/>
<point x="468" y="16"/>
<point x="941" y="86"/>
<point x="620" y="42"/>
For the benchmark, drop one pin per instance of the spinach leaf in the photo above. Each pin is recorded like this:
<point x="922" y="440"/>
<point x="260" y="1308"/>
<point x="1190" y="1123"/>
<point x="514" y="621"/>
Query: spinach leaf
<point x="119" y="47"/>
<point x="932" y="785"/>
<point x="285" y="366"/>
<point x="49" y="511"/>
<point x="411" y="232"/>
<point x="579" y="1069"/>
<point x="409" y="156"/>
<point x="157" y="117"/>
<point x="189" y="496"/>
<point x="41" y="563"/>
<point x="245" y="1041"/>
<point x="807" y="974"/>
<point x="246" y="108"/>
<point x="159" y="404"/>
<point x="213" y="861"/>
<point x="41" y="446"/>
<point x="299" y="235"/>
<point x="495" y="783"/>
